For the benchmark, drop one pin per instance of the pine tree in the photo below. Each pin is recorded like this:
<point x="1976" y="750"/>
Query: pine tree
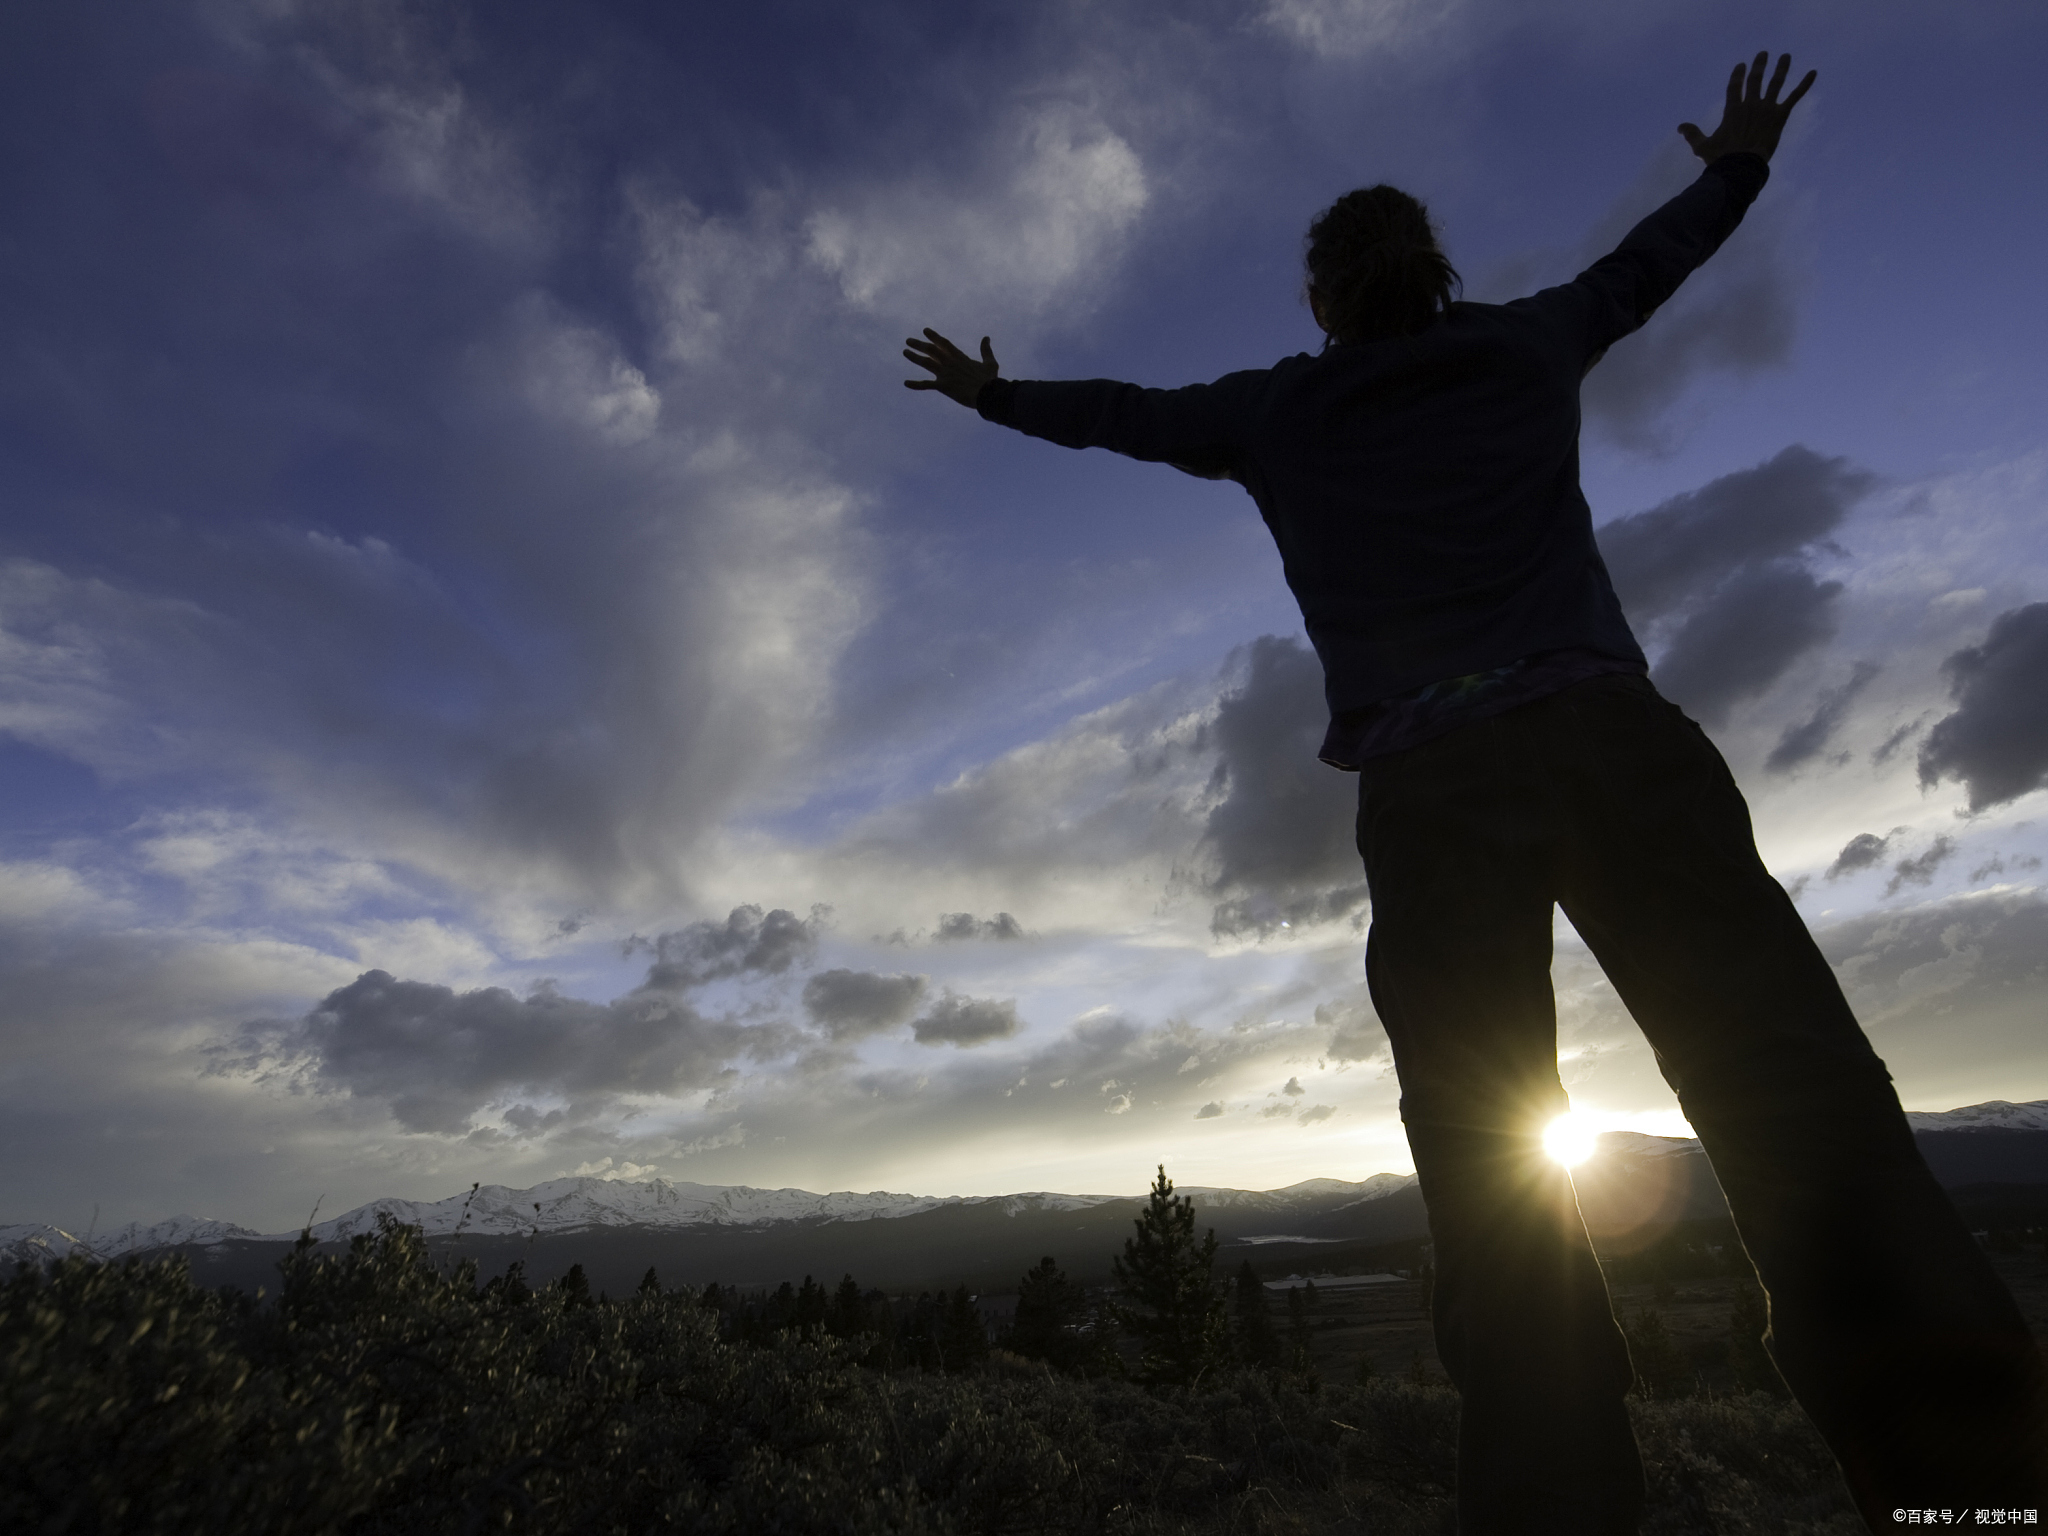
<point x="1256" y="1341"/>
<point x="812" y="1304"/>
<point x="575" y="1287"/>
<point x="965" y="1341"/>
<point x="1170" y="1300"/>
<point x="1051" y="1310"/>
<point x="1660" y="1369"/>
<point x="849" y="1313"/>
<point x="1300" y="1335"/>
<point x="650" y="1283"/>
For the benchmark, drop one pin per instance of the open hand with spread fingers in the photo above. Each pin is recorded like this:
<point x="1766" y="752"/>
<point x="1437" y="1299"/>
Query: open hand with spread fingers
<point x="954" y="373"/>
<point x="1752" y="117"/>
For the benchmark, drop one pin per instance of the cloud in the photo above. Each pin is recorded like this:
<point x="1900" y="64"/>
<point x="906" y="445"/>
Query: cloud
<point x="1860" y="852"/>
<point x="1805" y="740"/>
<point x="1720" y="576"/>
<point x="1319" y="1112"/>
<point x="1757" y="623"/>
<point x="1996" y="740"/>
<point x="967" y="1021"/>
<point x="1348" y="29"/>
<point x="1357" y="1033"/>
<point x="1053" y="211"/>
<point x="439" y="1056"/>
<point x="1949" y="960"/>
<point x="1293" y="1089"/>
<point x="954" y="926"/>
<point x="1281" y="833"/>
<point x="1210" y="1110"/>
<point x="854" y="1004"/>
<point x="1919" y="870"/>
<point x="747" y="942"/>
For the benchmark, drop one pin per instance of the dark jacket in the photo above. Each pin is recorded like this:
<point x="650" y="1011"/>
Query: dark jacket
<point x="1424" y="491"/>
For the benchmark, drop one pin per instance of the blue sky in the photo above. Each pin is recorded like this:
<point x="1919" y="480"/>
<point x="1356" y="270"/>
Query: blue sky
<point x="463" y="529"/>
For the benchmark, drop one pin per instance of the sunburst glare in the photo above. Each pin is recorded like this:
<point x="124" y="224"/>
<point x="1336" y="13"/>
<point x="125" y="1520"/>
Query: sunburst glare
<point x="1569" y="1138"/>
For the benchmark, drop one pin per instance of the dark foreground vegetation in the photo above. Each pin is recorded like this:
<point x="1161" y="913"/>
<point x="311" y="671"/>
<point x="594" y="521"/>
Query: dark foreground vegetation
<point x="379" y="1393"/>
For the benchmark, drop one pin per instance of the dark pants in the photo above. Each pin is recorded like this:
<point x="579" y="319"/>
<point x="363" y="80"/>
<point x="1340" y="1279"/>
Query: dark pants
<point x="1886" y="1320"/>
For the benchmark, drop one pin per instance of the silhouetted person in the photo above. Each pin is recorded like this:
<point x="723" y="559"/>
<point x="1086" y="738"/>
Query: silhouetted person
<point x="1420" y="475"/>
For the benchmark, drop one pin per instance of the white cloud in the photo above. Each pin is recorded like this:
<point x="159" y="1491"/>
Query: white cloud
<point x="1063" y="191"/>
<point x="1349" y="29"/>
<point x="576" y="373"/>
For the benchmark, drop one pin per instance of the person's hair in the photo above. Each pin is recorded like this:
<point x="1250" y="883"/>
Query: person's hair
<point x="1373" y="260"/>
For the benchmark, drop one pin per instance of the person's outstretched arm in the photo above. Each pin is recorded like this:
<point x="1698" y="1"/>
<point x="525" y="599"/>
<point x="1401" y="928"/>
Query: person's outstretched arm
<point x="1751" y="118"/>
<point x="954" y="374"/>
<point x="1190" y="429"/>
<point x="1625" y="287"/>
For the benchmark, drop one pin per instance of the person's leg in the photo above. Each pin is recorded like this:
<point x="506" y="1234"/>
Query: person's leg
<point x="1886" y="1320"/>
<point x="1455" y="837"/>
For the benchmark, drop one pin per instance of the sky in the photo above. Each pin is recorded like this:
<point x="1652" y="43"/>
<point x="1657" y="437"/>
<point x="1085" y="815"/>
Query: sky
<point x="499" y="681"/>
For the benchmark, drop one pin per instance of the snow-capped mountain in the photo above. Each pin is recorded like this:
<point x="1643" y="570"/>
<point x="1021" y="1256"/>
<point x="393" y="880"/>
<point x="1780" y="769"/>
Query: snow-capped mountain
<point x="1294" y="1196"/>
<point x="573" y="1205"/>
<point x="39" y="1243"/>
<point x="1994" y="1116"/>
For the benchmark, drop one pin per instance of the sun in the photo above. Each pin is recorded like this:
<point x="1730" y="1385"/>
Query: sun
<point x="1569" y="1139"/>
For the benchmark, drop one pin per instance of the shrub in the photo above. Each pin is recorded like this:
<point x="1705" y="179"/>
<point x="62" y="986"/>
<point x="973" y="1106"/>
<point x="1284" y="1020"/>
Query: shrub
<point x="377" y="1394"/>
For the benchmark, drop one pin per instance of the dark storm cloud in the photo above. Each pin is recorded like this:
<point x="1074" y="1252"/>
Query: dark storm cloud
<point x="853" y="1004"/>
<point x="1806" y="739"/>
<point x="1860" y="852"/>
<point x="1720" y="576"/>
<point x="438" y="1056"/>
<point x="955" y="926"/>
<point x="1919" y="870"/>
<point x="1996" y="741"/>
<point x="1755" y="625"/>
<point x="967" y="1021"/>
<point x="1282" y="831"/>
<point x="747" y="942"/>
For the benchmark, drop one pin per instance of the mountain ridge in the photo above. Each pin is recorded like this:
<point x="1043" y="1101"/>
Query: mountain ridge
<point x="1965" y="1145"/>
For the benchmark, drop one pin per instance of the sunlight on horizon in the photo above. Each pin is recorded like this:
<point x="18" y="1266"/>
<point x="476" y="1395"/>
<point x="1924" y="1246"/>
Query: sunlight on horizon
<point x="1570" y="1138"/>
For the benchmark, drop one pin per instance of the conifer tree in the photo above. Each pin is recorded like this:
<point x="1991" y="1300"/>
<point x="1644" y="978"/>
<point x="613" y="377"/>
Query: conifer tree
<point x="650" y="1283"/>
<point x="1170" y="1300"/>
<point x="1051" y="1319"/>
<point x="812" y="1304"/>
<point x="965" y="1342"/>
<point x="1660" y="1368"/>
<point x="1256" y="1341"/>
<point x="575" y="1287"/>
<point x="1299" y="1333"/>
<point x="849" y="1313"/>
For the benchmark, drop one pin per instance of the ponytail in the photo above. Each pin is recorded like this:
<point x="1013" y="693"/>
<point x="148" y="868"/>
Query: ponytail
<point x="1373" y="261"/>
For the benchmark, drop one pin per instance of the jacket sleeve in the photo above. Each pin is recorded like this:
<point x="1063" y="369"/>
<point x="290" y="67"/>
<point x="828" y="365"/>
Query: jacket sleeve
<point x="1625" y="287"/>
<point x="1199" y="429"/>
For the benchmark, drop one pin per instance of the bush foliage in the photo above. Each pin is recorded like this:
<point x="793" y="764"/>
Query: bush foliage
<point x="378" y="1393"/>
